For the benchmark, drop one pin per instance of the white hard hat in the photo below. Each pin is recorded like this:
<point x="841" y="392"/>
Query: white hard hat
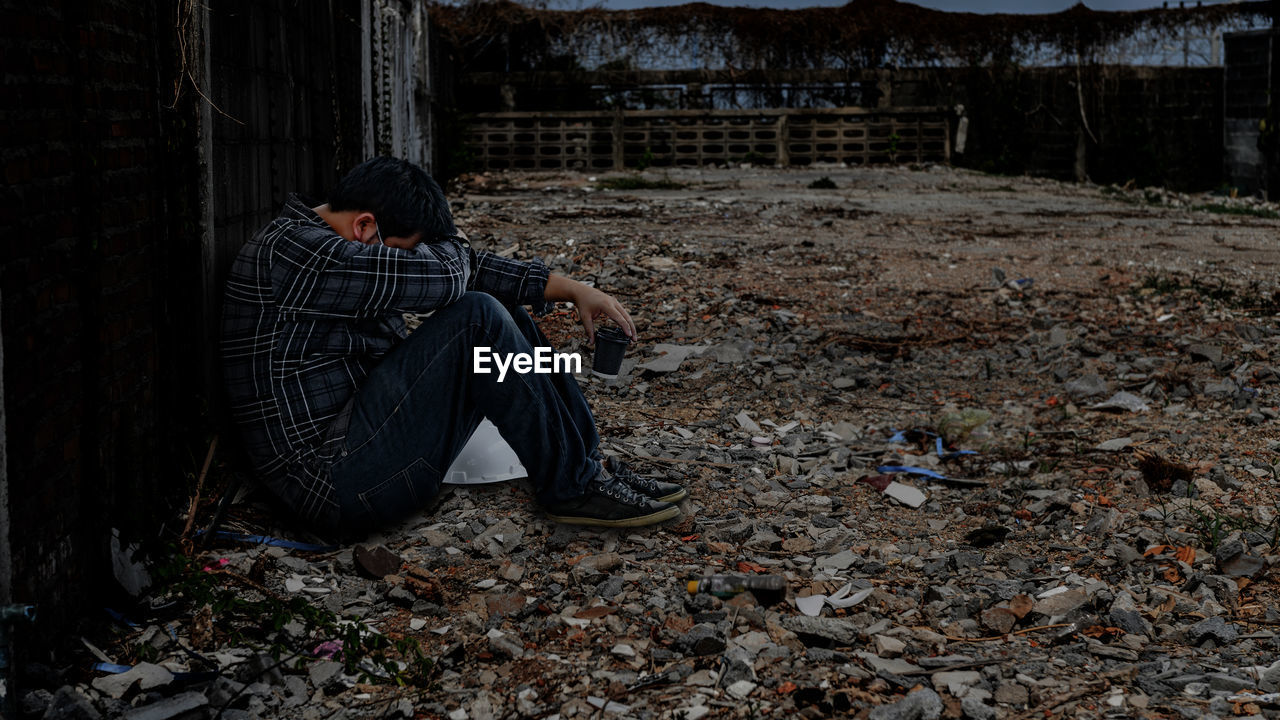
<point x="486" y="458"/>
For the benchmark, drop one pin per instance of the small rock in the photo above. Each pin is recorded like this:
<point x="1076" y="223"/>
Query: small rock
<point x="499" y="538"/>
<point x="957" y="682"/>
<point x="1062" y="603"/>
<point x="895" y="666"/>
<point x="1239" y="563"/>
<point x="400" y="596"/>
<point x="147" y="676"/>
<point x="841" y="632"/>
<point x="746" y="423"/>
<point x="736" y="666"/>
<point x="507" y="604"/>
<point x="696" y="712"/>
<point x="741" y="689"/>
<point x="1270" y="681"/>
<point x="511" y="571"/>
<point x="975" y="709"/>
<point x="887" y="646"/>
<point x="701" y="639"/>
<point x="375" y="561"/>
<point x="1130" y="621"/>
<point x="1215" y="629"/>
<point x="501" y="643"/>
<point x="1122" y="401"/>
<point x="1114" y="445"/>
<point x="998" y="619"/>
<point x="69" y="704"/>
<point x="604" y="562"/>
<point x="323" y="671"/>
<point x="404" y="708"/>
<point x="1205" y="353"/>
<point x="942" y="661"/>
<point x="1228" y="683"/>
<point x="1058" y="336"/>
<point x="922" y="704"/>
<point x="35" y="702"/>
<point x="1086" y="386"/>
<point x="1011" y="693"/>
<point x="169" y="707"/>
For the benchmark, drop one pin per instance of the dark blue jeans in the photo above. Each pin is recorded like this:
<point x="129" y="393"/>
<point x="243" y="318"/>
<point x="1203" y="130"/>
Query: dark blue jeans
<point x="419" y="406"/>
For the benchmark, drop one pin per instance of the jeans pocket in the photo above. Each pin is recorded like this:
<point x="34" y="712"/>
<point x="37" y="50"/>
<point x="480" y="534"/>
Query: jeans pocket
<point x="402" y="494"/>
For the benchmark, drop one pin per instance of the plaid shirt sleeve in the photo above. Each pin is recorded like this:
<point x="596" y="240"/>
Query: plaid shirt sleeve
<point x="511" y="281"/>
<point x="319" y="274"/>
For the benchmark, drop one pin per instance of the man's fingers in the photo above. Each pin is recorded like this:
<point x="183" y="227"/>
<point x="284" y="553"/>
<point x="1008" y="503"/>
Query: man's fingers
<point x="630" y="324"/>
<point x="589" y="324"/>
<point x="620" y="316"/>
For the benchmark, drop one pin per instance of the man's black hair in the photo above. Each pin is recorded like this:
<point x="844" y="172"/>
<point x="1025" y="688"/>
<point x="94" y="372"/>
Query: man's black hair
<point x="401" y="195"/>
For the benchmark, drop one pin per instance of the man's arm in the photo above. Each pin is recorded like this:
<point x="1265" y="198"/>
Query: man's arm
<point x="592" y="304"/>
<point x="321" y="274"/>
<point x="512" y="281"/>
<point x="530" y="283"/>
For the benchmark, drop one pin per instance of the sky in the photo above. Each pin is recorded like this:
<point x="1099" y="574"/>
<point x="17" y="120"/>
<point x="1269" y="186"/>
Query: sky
<point x="978" y="6"/>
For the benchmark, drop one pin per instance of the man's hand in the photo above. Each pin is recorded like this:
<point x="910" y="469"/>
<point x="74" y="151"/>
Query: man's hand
<point x="592" y="304"/>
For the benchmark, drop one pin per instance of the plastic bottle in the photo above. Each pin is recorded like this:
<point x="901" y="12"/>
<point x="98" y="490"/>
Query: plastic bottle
<point x="957" y="427"/>
<point x="768" y="589"/>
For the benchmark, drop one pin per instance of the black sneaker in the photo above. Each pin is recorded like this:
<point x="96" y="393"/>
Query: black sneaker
<point x="610" y="503"/>
<point x="656" y="489"/>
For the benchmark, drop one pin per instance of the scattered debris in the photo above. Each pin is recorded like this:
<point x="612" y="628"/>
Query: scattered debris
<point x="1062" y="563"/>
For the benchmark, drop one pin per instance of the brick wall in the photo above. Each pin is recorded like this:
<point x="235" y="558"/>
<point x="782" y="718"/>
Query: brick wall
<point x="83" y="321"/>
<point x="125" y="195"/>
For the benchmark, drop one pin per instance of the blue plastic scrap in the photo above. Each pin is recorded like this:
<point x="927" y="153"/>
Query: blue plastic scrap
<point x="116" y="669"/>
<point x="120" y="618"/>
<point x="274" y="542"/>
<point x="911" y="470"/>
<point x="954" y="453"/>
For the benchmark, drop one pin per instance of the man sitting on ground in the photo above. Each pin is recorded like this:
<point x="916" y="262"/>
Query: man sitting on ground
<point x="350" y="420"/>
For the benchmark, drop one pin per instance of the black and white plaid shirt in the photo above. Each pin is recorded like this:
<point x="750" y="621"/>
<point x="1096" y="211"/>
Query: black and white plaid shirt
<point x="307" y="315"/>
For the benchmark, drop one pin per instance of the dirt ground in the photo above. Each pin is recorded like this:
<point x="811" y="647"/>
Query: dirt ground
<point x="1107" y="548"/>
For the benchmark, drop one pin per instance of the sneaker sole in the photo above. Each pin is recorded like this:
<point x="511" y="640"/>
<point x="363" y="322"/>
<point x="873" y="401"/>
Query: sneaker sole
<point x="675" y="496"/>
<point x="637" y="521"/>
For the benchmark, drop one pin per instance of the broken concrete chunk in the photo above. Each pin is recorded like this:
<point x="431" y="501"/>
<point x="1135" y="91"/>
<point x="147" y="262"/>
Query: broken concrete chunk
<point x="672" y="356"/>
<point x="1114" y="445"/>
<point x="1122" y="401"/>
<point x="146" y="675"/>
<point x="838" y="631"/>
<point x="1086" y="386"/>
<point x="167" y="708"/>
<point x="375" y="561"/>
<point x="1061" y="603"/>
<point x="1205" y="352"/>
<point x="746" y="423"/>
<point x="905" y="494"/>
<point x="923" y="704"/>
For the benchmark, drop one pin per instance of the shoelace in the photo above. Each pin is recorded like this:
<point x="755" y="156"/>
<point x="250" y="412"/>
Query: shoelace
<point x="623" y="472"/>
<point x="616" y="489"/>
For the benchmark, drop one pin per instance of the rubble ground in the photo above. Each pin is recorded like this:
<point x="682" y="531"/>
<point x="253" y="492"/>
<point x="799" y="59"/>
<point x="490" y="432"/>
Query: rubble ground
<point x="1108" y="549"/>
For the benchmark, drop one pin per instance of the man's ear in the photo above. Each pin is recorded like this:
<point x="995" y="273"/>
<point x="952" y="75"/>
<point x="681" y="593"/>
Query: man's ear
<point x="364" y="228"/>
